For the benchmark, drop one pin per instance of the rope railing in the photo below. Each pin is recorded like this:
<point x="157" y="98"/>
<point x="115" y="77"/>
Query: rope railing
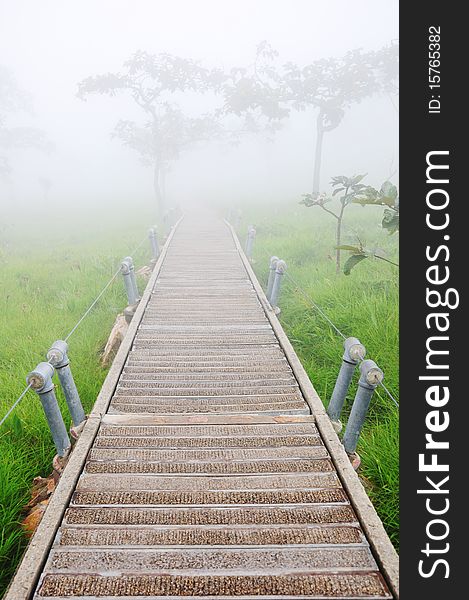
<point x="313" y="304"/>
<point x="92" y="305"/>
<point x="15" y="404"/>
<point x="140" y="244"/>
<point x="73" y="329"/>
<point x="103" y="291"/>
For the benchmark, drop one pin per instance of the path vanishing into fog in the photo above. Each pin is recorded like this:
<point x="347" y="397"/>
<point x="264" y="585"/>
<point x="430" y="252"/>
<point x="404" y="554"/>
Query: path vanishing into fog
<point x="208" y="466"/>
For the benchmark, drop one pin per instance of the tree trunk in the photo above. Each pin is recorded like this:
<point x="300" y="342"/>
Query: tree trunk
<point x="338" y="237"/>
<point x="338" y="240"/>
<point x="157" y="189"/>
<point x="163" y="185"/>
<point x="318" y="153"/>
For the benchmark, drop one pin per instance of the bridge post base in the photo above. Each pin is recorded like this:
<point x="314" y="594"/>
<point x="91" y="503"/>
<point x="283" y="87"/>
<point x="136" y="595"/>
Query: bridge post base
<point x="76" y="430"/>
<point x="59" y="463"/>
<point x="129" y="312"/>
<point x="355" y="460"/>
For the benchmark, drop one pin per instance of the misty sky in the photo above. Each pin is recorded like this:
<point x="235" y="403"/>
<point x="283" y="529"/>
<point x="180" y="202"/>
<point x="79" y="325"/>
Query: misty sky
<point x="50" y="45"/>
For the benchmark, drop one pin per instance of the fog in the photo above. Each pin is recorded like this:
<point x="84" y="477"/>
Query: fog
<point x="50" y="46"/>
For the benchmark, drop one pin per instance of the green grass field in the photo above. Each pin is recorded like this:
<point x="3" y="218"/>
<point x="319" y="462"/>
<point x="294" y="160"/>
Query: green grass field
<point x="47" y="284"/>
<point x="363" y="304"/>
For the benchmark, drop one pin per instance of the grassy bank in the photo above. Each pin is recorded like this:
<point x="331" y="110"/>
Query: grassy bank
<point x="363" y="304"/>
<point x="47" y="284"/>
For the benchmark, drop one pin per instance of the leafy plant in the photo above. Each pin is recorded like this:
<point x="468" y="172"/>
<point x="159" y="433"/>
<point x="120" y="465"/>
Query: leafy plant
<point x="387" y="196"/>
<point x="350" y="188"/>
<point x="360" y="253"/>
<point x="357" y="256"/>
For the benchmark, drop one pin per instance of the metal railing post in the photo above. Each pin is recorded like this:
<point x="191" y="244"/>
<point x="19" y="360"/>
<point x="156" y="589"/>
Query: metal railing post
<point x="270" y="281"/>
<point x="155" y="250"/>
<point x="40" y="380"/>
<point x="354" y="352"/>
<point x="133" y="279"/>
<point x="280" y="269"/>
<point x="250" y="241"/>
<point x="127" y="269"/>
<point x="58" y="358"/>
<point x="371" y="376"/>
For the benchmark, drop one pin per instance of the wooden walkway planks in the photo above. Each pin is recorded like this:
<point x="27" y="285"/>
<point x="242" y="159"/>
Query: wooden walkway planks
<point x="208" y="475"/>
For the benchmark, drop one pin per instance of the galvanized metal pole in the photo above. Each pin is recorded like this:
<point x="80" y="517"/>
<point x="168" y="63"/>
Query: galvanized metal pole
<point x="270" y="281"/>
<point x="371" y="376"/>
<point x="58" y="358"/>
<point x="127" y="270"/>
<point x="280" y="269"/>
<point x="250" y="241"/>
<point x="155" y="250"/>
<point x="133" y="279"/>
<point x="40" y="380"/>
<point x="354" y="352"/>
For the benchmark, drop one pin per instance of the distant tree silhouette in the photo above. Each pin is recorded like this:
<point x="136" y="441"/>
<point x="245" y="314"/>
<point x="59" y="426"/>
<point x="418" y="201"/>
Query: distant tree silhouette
<point x="46" y="186"/>
<point x="12" y="100"/>
<point x="154" y="82"/>
<point x="269" y="91"/>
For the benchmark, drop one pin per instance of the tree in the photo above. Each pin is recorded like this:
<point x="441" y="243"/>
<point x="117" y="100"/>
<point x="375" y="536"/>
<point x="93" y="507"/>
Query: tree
<point x="386" y="196"/>
<point x="256" y="93"/>
<point x="350" y="188"/>
<point x="162" y="141"/>
<point x="267" y="91"/>
<point x="46" y="185"/>
<point x="13" y="99"/>
<point x="154" y="83"/>
<point x="332" y="85"/>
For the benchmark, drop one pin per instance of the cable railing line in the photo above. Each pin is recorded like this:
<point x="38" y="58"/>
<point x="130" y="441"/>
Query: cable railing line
<point x="92" y="305"/>
<point x="15" y="404"/>
<point x="137" y="248"/>
<point x="389" y="394"/>
<point x="308" y="298"/>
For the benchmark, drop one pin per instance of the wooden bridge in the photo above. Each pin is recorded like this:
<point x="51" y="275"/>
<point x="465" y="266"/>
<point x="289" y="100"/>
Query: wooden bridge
<point x="208" y="466"/>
